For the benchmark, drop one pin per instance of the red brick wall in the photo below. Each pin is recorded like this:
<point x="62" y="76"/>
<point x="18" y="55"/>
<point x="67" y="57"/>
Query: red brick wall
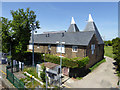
<point x="98" y="52"/>
<point x="82" y="51"/>
<point x="68" y="50"/>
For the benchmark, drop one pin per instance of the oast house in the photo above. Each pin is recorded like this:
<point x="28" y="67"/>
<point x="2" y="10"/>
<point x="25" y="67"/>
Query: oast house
<point x="75" y="43"/>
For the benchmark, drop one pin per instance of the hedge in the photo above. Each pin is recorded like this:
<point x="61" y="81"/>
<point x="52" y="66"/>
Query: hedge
<point x="116" y="51"/>
<point x="76" y="62"/>
<point x="28" y="57"/>
<point x="68" y="62"/>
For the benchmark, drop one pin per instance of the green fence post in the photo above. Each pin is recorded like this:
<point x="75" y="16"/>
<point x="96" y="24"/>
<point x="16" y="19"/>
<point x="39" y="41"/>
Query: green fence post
<point x="6" y="72"/>
<point x="13" y="78"/>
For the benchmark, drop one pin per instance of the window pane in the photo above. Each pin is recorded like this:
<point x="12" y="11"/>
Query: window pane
<point x="74" y="48"/>
<point x="59" y="48"/>
<point x="63" y="49"/>
<point x="30" y="46"/>
<point x="49" y="47"/>
<point x="92" y="51"/>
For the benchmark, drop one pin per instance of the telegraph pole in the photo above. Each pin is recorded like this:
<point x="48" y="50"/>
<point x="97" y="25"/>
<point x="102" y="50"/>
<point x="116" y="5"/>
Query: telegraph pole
<point x="33" y="47"/>
<point x="33" y="28"/>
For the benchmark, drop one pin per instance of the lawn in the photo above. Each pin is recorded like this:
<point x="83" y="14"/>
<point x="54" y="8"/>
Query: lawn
<point x="27" y="80"/>
<point x="108" y="51"/>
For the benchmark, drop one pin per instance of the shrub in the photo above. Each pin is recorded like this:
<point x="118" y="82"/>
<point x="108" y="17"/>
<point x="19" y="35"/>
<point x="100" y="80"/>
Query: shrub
<point x="68" y="62"/>
<point x="76" y="62"/>
<point x="83" y="62"/>
<point x="79" y="78"/>
<point x="108" y="43"/>
<point x="116" y="51"/>
<point x="42" y="73"/>
<point x="32" y="71"/>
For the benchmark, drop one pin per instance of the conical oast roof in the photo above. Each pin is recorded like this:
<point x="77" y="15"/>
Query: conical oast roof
<point x="92" y="27"/>
<point x="73" y="27"/>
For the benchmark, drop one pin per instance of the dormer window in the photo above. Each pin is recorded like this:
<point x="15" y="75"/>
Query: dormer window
<point x="62" y="34"/>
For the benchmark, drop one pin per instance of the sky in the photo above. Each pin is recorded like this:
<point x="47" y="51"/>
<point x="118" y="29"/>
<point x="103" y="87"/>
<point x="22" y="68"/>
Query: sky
<point x="56" y="16"/>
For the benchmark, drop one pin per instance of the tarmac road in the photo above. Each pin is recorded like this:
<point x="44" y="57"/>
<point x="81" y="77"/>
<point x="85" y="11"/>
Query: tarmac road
<point x="104" y="76"/>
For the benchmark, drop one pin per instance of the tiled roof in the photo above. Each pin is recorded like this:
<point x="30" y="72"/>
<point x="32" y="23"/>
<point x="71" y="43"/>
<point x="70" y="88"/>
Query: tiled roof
<point x="70" y="38"/>
<point x="92" y="27"/>
<point x="73" y="36"/>
<point x="73" y="27"/>
<point x="49" y="65"/>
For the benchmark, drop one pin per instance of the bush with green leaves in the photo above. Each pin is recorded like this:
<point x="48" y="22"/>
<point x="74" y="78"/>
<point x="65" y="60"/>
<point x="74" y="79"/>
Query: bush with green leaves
<point x="42" y="73"/>
<point x="108" y="43"/>
<point x="77" y="62"/>
<point x="68" y="62"/>
<point x="116" y="51"/>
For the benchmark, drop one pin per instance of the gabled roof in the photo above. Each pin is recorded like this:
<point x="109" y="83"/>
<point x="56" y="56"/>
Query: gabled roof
<point x="73" y="38"/>
<point x="92" y="27"/>
<point x="73" y="27"/>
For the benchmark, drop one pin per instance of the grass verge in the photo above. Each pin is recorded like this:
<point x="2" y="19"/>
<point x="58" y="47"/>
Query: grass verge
<point x="109" y="51"/>
<point x="79" y="78"/>
<point x="32" y="71"/>
<point x="27" y="80"/>
<point x="97" y="64"/>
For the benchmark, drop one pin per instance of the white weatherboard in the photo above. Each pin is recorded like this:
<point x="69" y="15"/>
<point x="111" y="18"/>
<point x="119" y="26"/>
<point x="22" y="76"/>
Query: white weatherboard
<point x="72" y="21"/>
<point x="90" y="18"/>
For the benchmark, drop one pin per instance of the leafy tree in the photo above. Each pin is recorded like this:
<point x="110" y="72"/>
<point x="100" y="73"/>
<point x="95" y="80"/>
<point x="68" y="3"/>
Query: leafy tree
<point x="22" y="30"/>
<point x="108" y="43"/>
<point x="116" y="51"/>
<point x="0" y="36"/>
<point x="6" y="34"/>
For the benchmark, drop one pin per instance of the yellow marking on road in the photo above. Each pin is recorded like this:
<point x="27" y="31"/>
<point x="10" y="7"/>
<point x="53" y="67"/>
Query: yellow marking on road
<point x="66" y="86"/>
<point x="3" y="72"/>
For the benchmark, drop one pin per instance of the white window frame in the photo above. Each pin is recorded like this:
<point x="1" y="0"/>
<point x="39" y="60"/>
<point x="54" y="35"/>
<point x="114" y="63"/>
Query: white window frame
<point x="38" y="46"/>
<point x="73" y="48"/>
<point x="59" y="48"/>
<point x="49" y="47"/>
<point x="92" y="48"/>
<point x="30" y="46"/>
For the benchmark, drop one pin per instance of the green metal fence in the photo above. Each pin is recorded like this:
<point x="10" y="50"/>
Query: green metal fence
<point x="14" y="80"/>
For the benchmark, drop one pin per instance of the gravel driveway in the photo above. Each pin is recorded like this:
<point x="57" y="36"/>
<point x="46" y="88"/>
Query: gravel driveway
<point x="104" y="76"/>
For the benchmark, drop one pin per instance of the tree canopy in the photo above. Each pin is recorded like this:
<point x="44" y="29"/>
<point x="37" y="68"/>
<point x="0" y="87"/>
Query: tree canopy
<point x="6" y="34"/>
<point x="116" y="51"/>
<point x="108" y="43"/>
<point x="18" y="30"/>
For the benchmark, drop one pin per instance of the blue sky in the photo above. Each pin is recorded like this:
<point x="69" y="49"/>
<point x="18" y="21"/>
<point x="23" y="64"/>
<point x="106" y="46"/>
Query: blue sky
<point x="57" y="16"/>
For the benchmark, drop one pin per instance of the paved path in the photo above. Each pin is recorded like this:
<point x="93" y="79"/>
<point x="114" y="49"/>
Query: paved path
<point x="3" y="77"/>
<point x="104" y="76"/>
